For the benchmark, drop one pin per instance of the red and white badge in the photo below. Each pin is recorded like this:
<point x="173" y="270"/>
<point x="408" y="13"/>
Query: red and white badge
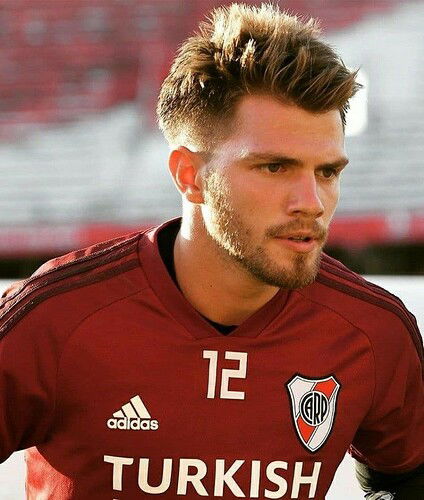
<point x="313" y="403"/>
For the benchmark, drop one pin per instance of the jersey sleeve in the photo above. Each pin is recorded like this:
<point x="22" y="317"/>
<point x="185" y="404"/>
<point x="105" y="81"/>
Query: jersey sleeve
<point x="391" y="437"/>
<point x="28" y="366"/>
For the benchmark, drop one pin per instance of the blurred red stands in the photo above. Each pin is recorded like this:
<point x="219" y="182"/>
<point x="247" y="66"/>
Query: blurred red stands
<point x="62" y="59"/>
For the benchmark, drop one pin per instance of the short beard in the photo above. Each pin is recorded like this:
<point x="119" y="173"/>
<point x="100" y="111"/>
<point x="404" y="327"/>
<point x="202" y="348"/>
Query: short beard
<point x="229" y="232"/>
<point x="300" y="275"/>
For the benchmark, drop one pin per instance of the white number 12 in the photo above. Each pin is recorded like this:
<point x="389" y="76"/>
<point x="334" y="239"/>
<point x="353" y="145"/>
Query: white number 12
<point x="227" y="374"/>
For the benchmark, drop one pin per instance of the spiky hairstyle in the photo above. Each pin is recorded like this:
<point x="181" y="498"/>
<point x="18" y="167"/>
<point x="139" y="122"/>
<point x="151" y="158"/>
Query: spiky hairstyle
<point x="241" y="50"/>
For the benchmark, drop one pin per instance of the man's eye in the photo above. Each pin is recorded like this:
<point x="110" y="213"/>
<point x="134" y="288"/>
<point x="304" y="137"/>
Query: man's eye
<point x="329" y="172"/>
<point x="272" y="167"/>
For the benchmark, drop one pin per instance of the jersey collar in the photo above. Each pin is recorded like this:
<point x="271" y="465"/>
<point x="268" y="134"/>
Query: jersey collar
<point x="180" y="308"/>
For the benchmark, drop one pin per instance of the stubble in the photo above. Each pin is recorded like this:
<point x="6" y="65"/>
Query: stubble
<point x="234" y="238"/>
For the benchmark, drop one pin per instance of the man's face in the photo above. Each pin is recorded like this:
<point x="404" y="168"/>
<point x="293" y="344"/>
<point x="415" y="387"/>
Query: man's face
<point x="271" y="189"/>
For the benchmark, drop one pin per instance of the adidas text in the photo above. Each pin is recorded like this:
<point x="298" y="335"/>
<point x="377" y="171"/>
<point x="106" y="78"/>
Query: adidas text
<point x="133" y="424"/>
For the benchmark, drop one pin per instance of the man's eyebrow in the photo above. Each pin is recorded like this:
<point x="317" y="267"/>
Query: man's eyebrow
<point x="269" y="158"/>
<point x="336" y="164"/>
<point x="287" y="160"/>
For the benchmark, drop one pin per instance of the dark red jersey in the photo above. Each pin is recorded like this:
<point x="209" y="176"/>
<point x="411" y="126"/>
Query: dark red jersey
<point x="121" y="390"/>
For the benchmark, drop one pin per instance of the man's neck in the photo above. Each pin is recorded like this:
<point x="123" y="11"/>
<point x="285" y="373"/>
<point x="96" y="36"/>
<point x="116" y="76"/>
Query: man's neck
<point x="216" y="285"/>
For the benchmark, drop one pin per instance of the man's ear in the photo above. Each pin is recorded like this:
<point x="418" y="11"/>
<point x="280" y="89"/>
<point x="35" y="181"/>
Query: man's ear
<point x="185" y="166"/>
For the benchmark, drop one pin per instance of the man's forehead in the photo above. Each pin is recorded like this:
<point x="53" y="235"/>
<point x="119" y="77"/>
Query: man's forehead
<point x="265" y="116"/>
<point x="264" y="126"/>
<point x="257" y="105"/>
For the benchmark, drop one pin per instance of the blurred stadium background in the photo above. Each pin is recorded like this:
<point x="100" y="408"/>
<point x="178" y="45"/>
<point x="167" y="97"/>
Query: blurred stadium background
<point x="81" y="158"/>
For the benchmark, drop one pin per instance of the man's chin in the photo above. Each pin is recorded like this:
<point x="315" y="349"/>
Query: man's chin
<point x="302" y="272"/>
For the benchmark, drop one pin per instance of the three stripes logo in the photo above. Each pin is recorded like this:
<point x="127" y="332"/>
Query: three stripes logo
<point x="133" y="416"/>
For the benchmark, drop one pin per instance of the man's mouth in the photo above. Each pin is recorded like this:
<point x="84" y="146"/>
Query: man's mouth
<point x="301" y="235"/>
<point x="299" y="238"/>
<point x="302" y="243"/>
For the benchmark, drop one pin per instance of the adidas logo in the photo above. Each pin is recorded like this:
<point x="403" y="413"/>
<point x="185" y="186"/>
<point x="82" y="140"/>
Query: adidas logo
<point x="133" y="416"/>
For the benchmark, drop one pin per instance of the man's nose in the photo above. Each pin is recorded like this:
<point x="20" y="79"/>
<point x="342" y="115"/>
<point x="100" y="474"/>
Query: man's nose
<point x="304" y="197"/>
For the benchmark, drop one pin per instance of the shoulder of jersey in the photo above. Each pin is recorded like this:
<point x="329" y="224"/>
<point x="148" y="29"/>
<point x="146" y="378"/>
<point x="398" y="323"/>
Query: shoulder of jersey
<point x="73" y="271"/>
<point x="361" y="302"/>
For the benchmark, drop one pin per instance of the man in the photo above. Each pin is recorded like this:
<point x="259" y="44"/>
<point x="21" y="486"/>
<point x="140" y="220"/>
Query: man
<point x="222" y="354"/>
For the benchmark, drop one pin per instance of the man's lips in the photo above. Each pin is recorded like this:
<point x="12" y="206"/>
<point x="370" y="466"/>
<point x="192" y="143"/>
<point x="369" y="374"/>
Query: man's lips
<point x="299" y="236"/>
<point x="299" y="245"/>
<point x="301" y="240"/>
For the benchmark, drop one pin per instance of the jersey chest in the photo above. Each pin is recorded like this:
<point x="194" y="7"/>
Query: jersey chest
<point x="241" y="414"/>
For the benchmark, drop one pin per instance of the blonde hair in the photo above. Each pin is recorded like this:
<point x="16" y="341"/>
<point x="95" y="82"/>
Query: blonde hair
<point x="242" y="50"/>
